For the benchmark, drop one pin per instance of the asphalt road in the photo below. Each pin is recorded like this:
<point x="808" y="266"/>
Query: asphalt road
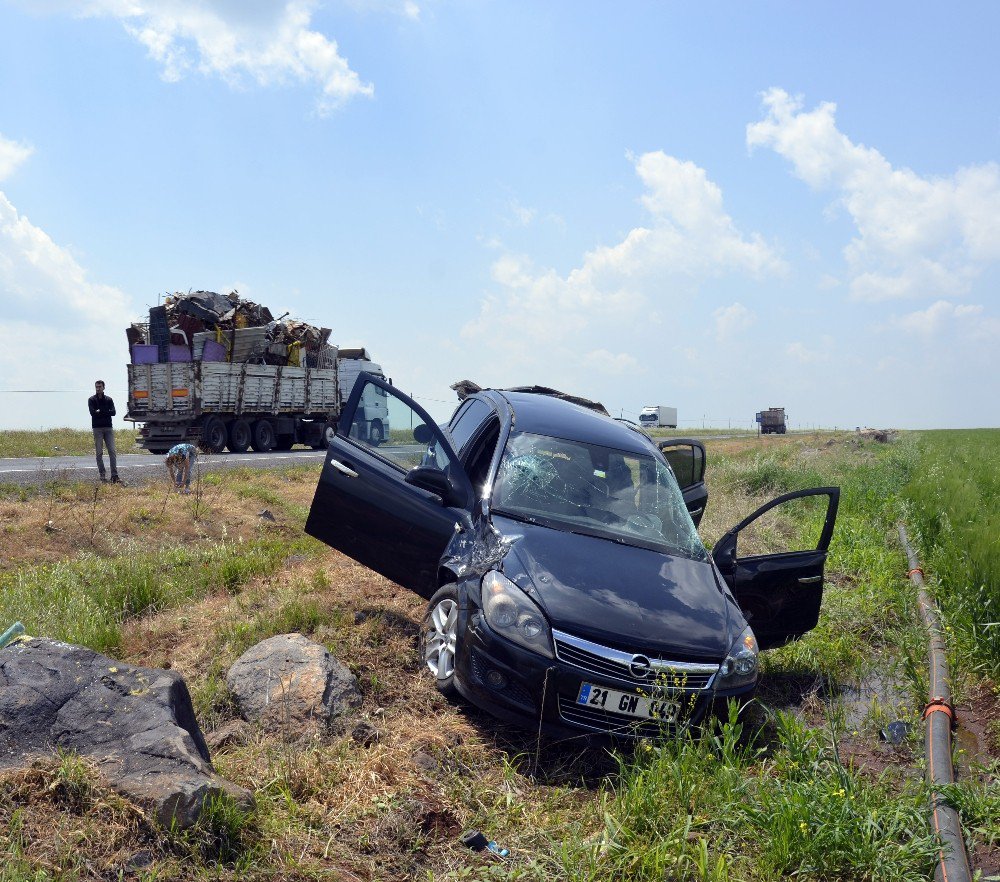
<point x="139" y="467"/>
<point x="134" y="468"/>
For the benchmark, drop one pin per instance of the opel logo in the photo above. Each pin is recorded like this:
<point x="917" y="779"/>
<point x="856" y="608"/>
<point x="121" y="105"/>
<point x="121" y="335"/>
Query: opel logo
<point x="640" y="667"/>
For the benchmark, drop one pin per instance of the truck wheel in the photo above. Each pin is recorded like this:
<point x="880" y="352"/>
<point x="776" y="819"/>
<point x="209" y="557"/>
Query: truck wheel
<point x="376" y="435"/>
<point x="284" y="442"/>
<point x="239" y="436"/>
<point x="213" y="435"/>
<point x="263" y="436"/>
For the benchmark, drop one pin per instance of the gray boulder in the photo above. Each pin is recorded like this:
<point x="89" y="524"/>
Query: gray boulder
<point x="137" y="725"/>
<point x="292" y="684"/>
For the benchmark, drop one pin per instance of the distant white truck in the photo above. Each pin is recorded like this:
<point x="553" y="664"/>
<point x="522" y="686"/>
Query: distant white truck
<point x="658" y="416"/>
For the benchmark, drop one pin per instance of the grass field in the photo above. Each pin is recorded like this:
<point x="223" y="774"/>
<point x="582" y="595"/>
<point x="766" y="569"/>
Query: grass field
<point x="954" y="509"/>
<point x="62" y="442"/>
<point x="798" y="785"/>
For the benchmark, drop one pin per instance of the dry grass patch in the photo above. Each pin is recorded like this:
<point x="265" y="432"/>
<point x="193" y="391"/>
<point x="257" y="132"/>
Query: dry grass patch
<point x="67" y="518"/>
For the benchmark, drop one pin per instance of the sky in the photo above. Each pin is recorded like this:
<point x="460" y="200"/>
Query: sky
<point x="719" y="207"/>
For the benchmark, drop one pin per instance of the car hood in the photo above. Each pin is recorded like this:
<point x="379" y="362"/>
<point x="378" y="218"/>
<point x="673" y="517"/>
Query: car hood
<point x="623" y="596"/>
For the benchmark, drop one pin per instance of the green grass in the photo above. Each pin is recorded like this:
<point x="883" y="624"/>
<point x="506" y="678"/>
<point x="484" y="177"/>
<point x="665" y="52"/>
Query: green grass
<point x="717" y="808"/>
<point x="87" y="599"/>
<point x="954" y="513"/>
<point x="759" y="796"/>
<point x="62" y="442"/>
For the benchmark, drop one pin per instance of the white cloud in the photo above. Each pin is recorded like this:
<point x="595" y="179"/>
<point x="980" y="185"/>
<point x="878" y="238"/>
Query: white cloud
<point x="917" y="236"/>
<point x="269" y="42"/>
<point x="12" y="154"/>
<point x="522" y="214"/>
<point x="58" y="326"/>
<point x="801" y="353"/>
<point x="731" y="321"/>
<point x="690" y="238"/>
<point x="611" y="363"/>
<point x="942" y="315"/>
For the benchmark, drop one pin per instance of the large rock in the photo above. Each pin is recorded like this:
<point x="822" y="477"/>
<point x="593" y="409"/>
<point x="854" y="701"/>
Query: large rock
<point x="292" y="684"/>
<point x="136" y="724"/>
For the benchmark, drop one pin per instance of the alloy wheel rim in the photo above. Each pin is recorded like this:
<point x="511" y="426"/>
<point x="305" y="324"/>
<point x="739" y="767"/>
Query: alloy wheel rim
<point x="442" y="638"/>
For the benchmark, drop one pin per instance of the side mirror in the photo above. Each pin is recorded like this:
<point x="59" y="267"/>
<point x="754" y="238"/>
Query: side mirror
<point x="438" y="482"/>
<point x="422" y="434"/>
<point x="724" y="553"/>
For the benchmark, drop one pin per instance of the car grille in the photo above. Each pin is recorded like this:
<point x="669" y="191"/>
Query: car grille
<point x="614" y="724"/>
<point x="603" y="661"/>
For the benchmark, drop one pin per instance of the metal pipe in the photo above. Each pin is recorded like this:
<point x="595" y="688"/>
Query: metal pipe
<point x="953" y="864"/>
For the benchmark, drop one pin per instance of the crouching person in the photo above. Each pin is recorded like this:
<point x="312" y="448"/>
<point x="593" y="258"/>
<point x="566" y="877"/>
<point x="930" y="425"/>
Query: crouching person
<point x="180" y="461"/>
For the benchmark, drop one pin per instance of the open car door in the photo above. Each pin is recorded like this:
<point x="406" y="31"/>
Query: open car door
<point x="780" y="594"/>
<point x="687" y="459"/>
<point x="393" y="507"/>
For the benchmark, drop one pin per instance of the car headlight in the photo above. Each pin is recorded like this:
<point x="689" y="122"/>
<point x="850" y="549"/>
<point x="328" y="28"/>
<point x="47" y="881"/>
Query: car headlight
<point x="510" y="612"/>
<point x="740" y="665"/>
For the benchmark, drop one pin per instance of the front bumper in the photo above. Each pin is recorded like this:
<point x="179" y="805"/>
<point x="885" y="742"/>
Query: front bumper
<point x="539" y="693"/>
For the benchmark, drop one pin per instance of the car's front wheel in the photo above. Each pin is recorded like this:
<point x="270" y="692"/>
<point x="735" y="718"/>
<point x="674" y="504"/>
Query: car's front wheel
<point x="439" y="638"/>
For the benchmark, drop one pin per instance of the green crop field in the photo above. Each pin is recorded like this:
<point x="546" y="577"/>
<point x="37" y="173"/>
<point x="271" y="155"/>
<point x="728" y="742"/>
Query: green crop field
<point x="797" y="784"/>
<point x="954" y="509"/>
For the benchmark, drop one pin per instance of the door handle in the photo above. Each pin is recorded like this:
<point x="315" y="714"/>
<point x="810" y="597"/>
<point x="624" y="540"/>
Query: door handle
<point x="697" y="511"/>
<point x="344" y="470"/>
<point x="810" y="580"/>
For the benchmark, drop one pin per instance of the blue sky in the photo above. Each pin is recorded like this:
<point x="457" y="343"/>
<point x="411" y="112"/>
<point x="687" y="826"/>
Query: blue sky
<point x="716" y="207"/>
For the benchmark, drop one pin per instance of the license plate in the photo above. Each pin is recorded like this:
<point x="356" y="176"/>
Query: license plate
<point x="645" y="707"/>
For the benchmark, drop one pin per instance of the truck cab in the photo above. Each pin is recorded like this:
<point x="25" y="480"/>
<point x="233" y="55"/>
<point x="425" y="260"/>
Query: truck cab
<point x="658" y="416"/>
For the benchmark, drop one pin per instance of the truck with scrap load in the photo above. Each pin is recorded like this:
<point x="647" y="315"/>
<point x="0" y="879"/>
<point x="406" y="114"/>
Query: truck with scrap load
<point x="657" y="416"/>
<point x="772" y="421"/>
<point x="220" y="372"/>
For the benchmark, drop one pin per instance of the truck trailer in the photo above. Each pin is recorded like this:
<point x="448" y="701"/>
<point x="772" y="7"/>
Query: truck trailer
<point x="772" y="421"/>
<point x="658" y="416"/>
<point x="235" y="388"/>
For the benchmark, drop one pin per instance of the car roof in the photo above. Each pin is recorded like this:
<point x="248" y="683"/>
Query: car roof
<point x="545" y="415"/>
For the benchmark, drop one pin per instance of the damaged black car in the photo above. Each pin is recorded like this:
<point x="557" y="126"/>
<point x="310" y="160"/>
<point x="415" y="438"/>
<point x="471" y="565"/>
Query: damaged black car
<point x="568" y="586"/>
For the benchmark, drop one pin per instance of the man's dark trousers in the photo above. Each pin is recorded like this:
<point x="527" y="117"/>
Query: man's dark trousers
<point x="102" y="437"/>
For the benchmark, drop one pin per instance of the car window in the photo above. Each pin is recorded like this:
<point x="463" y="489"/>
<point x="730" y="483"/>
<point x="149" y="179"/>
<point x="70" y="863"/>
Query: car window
<point x="572" y="485"/>
<point x="468" y="421"/>
<point x="388" y="426"/>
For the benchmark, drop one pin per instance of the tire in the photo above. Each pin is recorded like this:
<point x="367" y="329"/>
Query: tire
<point x="439" y="638"/>
<point x="239" y="436"/>
<point x="326" y="436"/>
<point x="262" y="439"/>
<point x="213" y="435"/>
<point x="376" y="434"/>
<point x="284" y="442"/>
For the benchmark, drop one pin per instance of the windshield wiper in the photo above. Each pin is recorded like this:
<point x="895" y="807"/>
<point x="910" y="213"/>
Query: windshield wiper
<point x="515" y="516"/>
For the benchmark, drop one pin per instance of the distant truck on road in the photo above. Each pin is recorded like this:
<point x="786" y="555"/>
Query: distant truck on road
<point x="657" y="416"/>
<point x="772" y="421"/>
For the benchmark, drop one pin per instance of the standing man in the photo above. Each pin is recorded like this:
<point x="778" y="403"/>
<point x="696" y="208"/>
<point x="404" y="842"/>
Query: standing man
<point x="102" y="409"/>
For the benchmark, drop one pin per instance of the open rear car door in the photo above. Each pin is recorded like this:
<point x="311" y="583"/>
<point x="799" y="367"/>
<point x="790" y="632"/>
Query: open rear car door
<point x="394" y="507"/>
<point x="687" y="459"/>
<point x="780" y="594"/>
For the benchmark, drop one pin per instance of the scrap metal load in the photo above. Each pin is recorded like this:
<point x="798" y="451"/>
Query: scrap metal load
<point x="205" y="326"/>
<point x="221" y="371"/>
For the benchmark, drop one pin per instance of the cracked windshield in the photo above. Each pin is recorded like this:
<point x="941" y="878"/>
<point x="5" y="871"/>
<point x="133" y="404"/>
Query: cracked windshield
<point x="597" y="490"/>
